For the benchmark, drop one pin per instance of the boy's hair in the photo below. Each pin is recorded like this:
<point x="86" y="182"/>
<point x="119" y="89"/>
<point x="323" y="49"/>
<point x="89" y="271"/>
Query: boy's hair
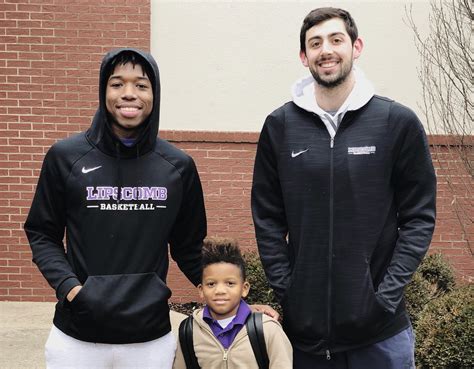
<point x="129" y="56"/>
<point x="222" y="250"/>
<point x="320" y="15"/>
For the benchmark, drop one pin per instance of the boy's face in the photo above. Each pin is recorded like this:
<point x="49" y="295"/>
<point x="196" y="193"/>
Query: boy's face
<point x="222" y="288"/>
<point x="128" y="98"/>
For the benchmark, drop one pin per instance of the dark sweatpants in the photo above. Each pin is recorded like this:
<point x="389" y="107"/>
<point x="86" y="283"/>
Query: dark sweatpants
<point x="397" y="352"/>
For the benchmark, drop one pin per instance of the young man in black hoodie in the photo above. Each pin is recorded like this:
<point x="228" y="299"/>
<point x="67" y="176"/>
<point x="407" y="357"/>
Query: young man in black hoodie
<point x="122" y="195"/>
<point x="343" y="201"/>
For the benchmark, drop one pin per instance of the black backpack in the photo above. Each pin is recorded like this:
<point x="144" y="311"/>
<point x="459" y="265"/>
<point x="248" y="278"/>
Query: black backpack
<point x="254" y="327"/>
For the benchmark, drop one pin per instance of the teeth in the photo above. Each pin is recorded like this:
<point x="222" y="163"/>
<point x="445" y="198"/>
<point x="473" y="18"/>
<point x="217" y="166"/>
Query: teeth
<point x="328" y="65"/>
<point x="129" y="108"/>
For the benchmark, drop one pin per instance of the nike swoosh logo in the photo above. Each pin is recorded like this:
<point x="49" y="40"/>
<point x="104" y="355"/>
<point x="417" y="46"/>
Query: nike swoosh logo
<point x="88" y="170"/>
<point x="295" y="154"/>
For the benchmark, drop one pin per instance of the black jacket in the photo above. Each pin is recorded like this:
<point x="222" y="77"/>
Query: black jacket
<point x="342" y="225"/>
<point x="121" y="207"/>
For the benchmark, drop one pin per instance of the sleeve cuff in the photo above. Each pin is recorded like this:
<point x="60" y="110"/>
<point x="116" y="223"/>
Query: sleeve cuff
<point x="384" y="305"/>
<point x="65" y="287"/>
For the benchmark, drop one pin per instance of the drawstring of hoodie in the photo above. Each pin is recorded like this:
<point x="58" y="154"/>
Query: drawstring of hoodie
<point x="119" y="173"/>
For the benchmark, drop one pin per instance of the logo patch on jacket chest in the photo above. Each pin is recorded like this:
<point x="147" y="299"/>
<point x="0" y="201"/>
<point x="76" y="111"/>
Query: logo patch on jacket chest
<point x="361" y="150"/>
<point x="141" y="194"/>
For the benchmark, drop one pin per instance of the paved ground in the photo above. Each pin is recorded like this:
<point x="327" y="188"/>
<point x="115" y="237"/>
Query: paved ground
<point x="24" y="328"/>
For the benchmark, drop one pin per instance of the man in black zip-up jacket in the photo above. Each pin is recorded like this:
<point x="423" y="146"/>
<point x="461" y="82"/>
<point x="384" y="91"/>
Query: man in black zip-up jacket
<point x="343" y="202"/>
<point x="122" y="195"/>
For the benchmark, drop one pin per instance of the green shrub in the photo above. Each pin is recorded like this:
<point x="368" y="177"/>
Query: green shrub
<point x="445" y="333"/>
<point x="260" y="290"/>
<point x="417" y="294"/>
<point x="433" y="279"/>
<point x="442" y="316"/>
<point x="436" y="270"/>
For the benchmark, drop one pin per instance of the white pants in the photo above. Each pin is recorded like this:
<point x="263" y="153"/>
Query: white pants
<point x="65" y="352"/>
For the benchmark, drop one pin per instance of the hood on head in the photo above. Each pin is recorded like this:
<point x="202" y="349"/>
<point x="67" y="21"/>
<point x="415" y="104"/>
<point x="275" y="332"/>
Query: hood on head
<point x="101" y="133"/>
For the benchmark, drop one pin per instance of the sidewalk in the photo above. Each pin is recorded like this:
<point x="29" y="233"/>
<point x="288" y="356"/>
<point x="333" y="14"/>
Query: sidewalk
<point x="24" y="328"/>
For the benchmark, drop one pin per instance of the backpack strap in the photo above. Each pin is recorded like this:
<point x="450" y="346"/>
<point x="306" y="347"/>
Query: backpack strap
<point x="187" y="344"/>
<point x="254" y="325"/>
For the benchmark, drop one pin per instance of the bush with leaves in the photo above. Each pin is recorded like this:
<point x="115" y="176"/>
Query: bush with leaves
<point x="433" y="279"/>
<point x="442" y="316"/>
<point x="436" y="270"/>
<point x="260" y="290"/>
<point x="445" y="331"/>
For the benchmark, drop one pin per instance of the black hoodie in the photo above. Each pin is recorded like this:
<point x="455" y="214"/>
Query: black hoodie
<point x="121" y="207"/>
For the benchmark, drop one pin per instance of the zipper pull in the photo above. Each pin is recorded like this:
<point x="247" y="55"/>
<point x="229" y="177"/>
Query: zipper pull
<point x="225" y="356"/>
<point x="331" y="145"/>
<point x="328" y="355"/>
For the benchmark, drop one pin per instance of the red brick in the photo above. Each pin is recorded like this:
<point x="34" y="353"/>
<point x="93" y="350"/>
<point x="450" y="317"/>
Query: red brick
<point x="9" y="270"/>
<point x="11" y="298"/>
<point x="36" y="298"/>
<point x="20" y="278"/>
<point x="21" y="263"/>
<point x="9" y="284"/>
<point x="9" y="118"/>
<point x="43" y="291"/>
<point x="20" y="291"/>
<point x="29" y="270"/>
<point x="7" y="7"/>
<point x="18" y="32"/>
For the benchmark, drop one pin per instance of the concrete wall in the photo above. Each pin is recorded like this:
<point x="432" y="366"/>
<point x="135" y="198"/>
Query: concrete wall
<point x="227" y="64"/>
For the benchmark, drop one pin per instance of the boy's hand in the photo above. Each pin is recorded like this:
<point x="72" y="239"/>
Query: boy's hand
<point x="265" y="309"/>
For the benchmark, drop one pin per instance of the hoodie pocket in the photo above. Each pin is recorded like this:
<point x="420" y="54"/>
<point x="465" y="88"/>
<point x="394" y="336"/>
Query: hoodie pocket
<point x="120" y="308"/>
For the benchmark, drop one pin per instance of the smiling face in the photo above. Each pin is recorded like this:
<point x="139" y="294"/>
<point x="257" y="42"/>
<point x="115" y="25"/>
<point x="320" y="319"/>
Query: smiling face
<point x="330" y="53"/>
<point x="128" y="98"/>
<point x="222" y="288"/>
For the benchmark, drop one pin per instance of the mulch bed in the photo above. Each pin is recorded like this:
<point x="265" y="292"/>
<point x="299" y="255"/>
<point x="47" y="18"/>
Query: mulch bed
<point x="186" y="308"/>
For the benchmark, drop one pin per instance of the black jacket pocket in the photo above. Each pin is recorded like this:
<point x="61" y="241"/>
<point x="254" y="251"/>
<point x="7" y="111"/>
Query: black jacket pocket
<point x="357" y="315"/>
<point x="120" y="308"/>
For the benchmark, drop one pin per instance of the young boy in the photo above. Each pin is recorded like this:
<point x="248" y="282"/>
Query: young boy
<point x="219" y="332"/>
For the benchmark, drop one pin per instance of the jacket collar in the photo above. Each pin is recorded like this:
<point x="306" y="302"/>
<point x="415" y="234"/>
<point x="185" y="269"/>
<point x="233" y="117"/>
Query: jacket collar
<point x="302" y="92"/>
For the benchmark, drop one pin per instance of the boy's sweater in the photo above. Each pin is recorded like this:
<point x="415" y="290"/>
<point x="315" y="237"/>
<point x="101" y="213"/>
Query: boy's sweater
<point x="212" y="355"/>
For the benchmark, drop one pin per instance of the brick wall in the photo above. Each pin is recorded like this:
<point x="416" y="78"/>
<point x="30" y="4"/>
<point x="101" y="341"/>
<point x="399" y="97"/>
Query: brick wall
<point x="454" y="233"/>
<point x="50" y="53"/>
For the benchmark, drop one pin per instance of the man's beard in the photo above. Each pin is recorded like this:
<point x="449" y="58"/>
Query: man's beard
<point x="333" y="81"/>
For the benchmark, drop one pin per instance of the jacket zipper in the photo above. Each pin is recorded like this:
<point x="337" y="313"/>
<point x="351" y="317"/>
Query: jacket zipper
<point x="331" y="235"/>
<point x="224" y="358"/>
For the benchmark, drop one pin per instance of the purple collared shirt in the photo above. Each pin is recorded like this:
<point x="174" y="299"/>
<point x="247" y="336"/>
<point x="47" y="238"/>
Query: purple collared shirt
<point x="227" y="335"/>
